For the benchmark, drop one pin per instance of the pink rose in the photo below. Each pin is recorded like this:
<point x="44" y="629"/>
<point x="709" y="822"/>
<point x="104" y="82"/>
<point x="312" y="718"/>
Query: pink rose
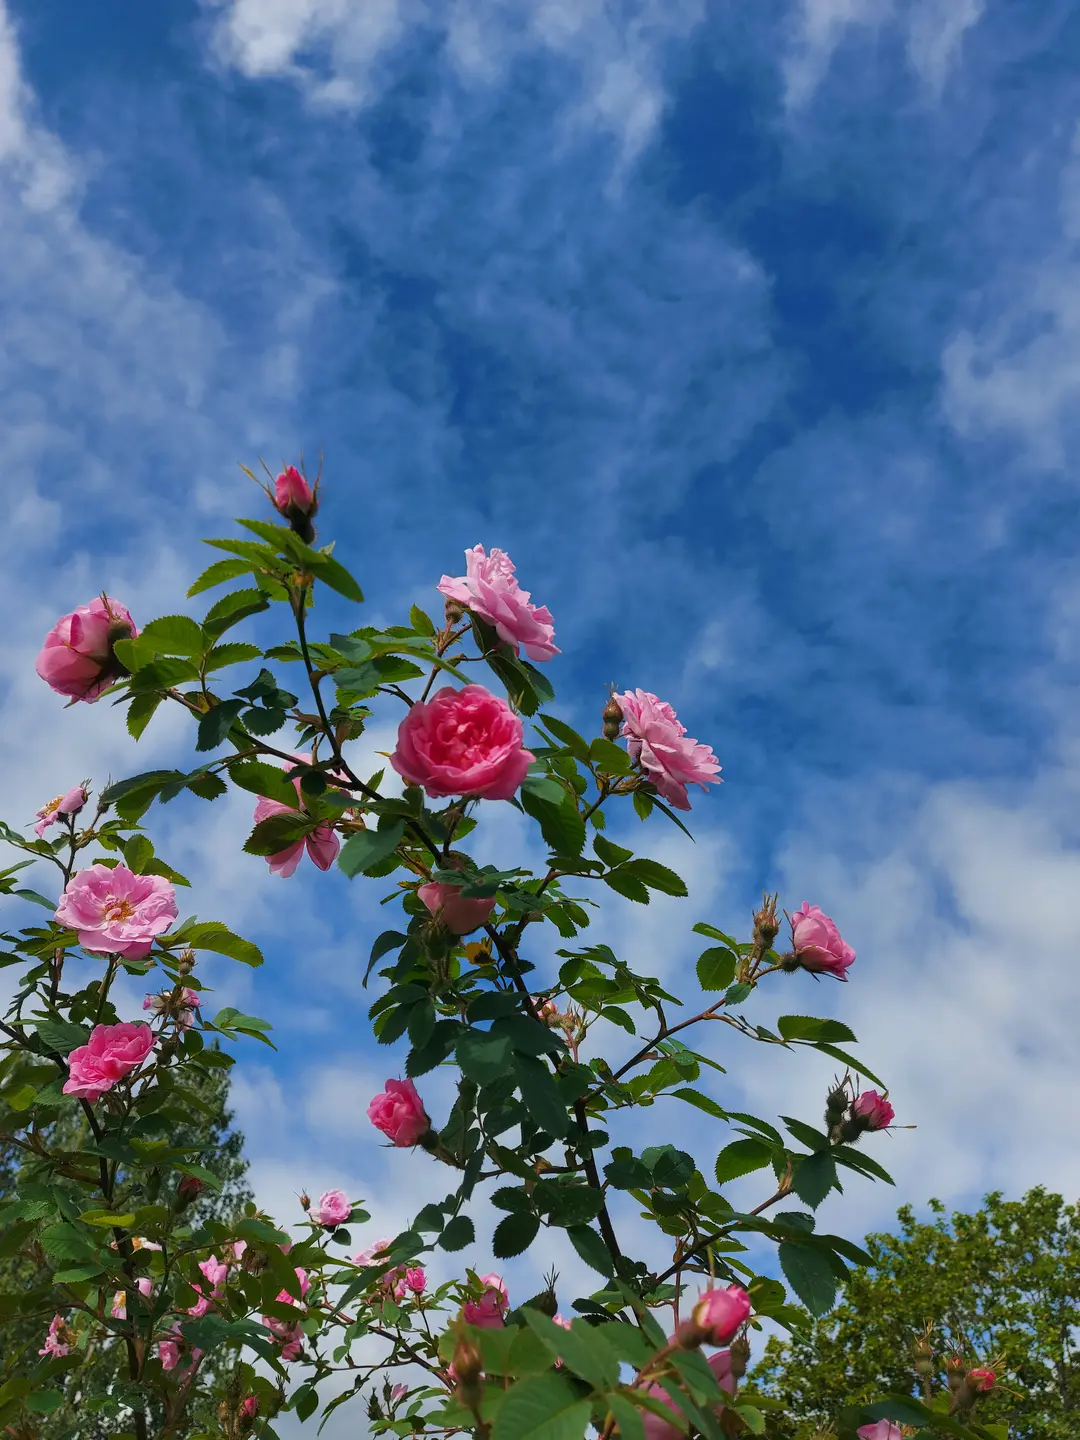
<point x="215" y="1271"/>
<point x="165" y="1004"/>
<point x="658" y="742"/>
<point x="169" y="1354"/>
<point x="76" y="658"/>
<point x="981" y="1380"/>
<point x="881" y="1430"/>
<point x="720" y="1313"/>
<point x="873" y="1110"/>
<point x="112" y="1052"/>
<point x="333" y="1209"/>
<point x="489" y="588"/>
<point x="399" y="1113"/>
<point x="116" y="912"/>
<point x="818" y="944"/>
<point x="489" y="1311"/>
<point x="70" y="803"/>
<point x="292" y="492"/>
<point x="322" y="844"/>
<point x="144" y="1285"/>
<point x="250" y="1406"/>
<point x="457" y="912"/>
<point x="375" y="1254"/>
<point x="415" y="1279"/>
<point x="59" y="1339"/>
<point x="657" y="1429"/>
<point x="463" y="742"/>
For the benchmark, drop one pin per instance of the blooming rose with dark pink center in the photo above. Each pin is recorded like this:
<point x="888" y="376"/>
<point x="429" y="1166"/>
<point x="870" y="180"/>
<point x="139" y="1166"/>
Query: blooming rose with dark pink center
<point x="457" y="912"/>
<point x="399" y="1113"/>
<point x="489" y="1311"/>
<point x="70" y="803"/>
<point x="818" y="944"/>
<point x="873" y="1110"/>
<point x="77" y="657"/>
<point x="657" y="740"/>
<point x="115" y="912"/>
<point x="720" y="1313"/>
<point x="463" y="742"/>
<point x="112" y="1052"/>
<point x="981" y="1380"/>
<point x="322" y="844"/>
<point x="658" y="1429"/>
<point x="489" y="588"/>
<point x="880" y="1430"/>
<point x="333" y="1209"/>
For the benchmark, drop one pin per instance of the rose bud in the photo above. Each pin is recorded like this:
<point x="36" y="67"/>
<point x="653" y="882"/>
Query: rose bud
<point x="872" y="1111"/>
<point x="296" y="502"/>
<point x="612" y="718"/>
<point x="189" y="1189"/>
<point x="719" y="1314"/>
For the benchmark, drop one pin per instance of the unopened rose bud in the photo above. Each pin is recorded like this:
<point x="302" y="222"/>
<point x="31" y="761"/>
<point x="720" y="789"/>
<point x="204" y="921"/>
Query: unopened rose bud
<point x="740" y="1356"/>
<point x="612" y="718"/>
<point x="766" y="925"/>
<point x="468" y="1368"/>
<point x="189" y="1189"/>
<point x="296" y="502"/>
<point x="836" y="1102"/>
<point x="719" y="1314"/>
<point x="186" y="963"/>
<point x="305" y="1200"/>
<point x="872" y="1111"/>
<point x="453" y="611"/>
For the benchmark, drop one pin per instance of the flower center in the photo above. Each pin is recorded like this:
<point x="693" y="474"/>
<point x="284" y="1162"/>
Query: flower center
<point x="116" y="911"/>
<point x="52" y="806"/>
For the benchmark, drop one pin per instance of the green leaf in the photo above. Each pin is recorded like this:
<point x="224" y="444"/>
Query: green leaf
<point x="140" y="713"/>
<point x="609" y="853"/>
<point x="541" y="1095"/>
<point x="813" y="1178"/>
<point x="420" y="621"/>
<point x="384" y="943"/>
<point x="60" y="1035"/>
<point x="459" y="1233"/>
<point x="742" y="1157"/>
<point x="628" y="1417"/>
<point x="331" y="572"/>
<point x="628" y="885"/>
<point x="849" y="1060"/>
<point x="483" y="1057"/>
<point x="609" y="758"/>
<point x="592" y="1249"/>
<point x="542" y="1407"/>
<point x="809" y="1027"/>
<point x="576" y="744"/>
<point x="44" y="1402"/>
<point x="218" y="573"/>
<point x="107" y="1219"/>
<point x="306" y="1401"/>
<point x="810" y="1275"/>
<point x="278" y="832"/>
<point x="65" y="1242"/>
<point x="556" y="810"/>
<point x="215" y="725"/>
<point x="259" y="778"/>
<point x="212" y="935"/>
<point x="716" y="968"/>
<point x="138" y="852"/>
<point x="174" y="635"/>
<point x="582" y="1348"/>
<point x="656" y="876"/>
<point x="234" y="653"/>
<point x="233" y="608"/>
<point x="366" y="849"/>
<point x="513" y="1234"/>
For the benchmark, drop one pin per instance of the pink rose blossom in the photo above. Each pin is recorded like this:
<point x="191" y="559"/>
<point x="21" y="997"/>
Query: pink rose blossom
<point x="463" y="742"/>
<point x="116" y="912"/>
<point x="981" y="1380"/>
<point x="70" y="803"/>
<point x="375" y="1254"/>
<point x="250" y="1407"/>
<point x="292" y="492"/>
<point x="657" y="1429"/>
<point x="560" y="1320"/>
<point x="489" y="588"/>
<point x="112" y="1052"/>
<point x="399" y="1113"/>
<point x="489" y="1311"/>
<point x="415" y="1280"/>
<point x="873" y="1110"/>
<point x="398" y="1393"/>
<point x="658" y="742"/>
<point x="58" y="1340"/>
<point x="722" y="1312"/>
<point x="322" y="844"/>
<point x="880" y="1430"/>
<point x="169" y="1354"/>
<point x="289" y="1336"/>
<point x="215" y="1271"/>
<point x="333" y="1209"/>
<point x="76" y="658"/>
<point x="458" y="913"/>
<point x="818" y="944"/>
<point x="144" y="1286"/>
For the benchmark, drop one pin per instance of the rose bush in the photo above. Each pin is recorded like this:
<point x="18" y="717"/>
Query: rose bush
<point x="554" y="1044"/>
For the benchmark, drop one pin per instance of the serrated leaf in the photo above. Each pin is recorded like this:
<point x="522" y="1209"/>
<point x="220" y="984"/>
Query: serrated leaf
<point x="609" y="758"/>
<point x="234" y="652"/>
<point x="552" y="805"/>
<point x="459" y="1233"/>
<point x="278" y="832"/>
<point x="592" y="1249"/>
<point x="140" y="712"/>
<point x="218" y="573"/>
<point x="541" y="1095"/>
<point x="627" y="885"/>
<point x="810" y="1275"/>
<point x="716" y="968"/>
<point x="174" y="635"/>
<point x="565" y="735"/>
<point x="742" y="1157"/>
<point x="215" y="725"/>
<point x="582" y="1348"/>
<point x="60" y="1035"/>
<point x="513" y="1234"/>
<point x="259" y="778"/>
<point x="813" y="1177"/>
<point x="483" y="1057"/>
<point x="809" y="1027"/>
<point x="212" y="935"/>
<point x="656" y="876"/>
<point x="233" y="608"/>
<point x="368" y="848"/>
<point x="541" y="1407"/>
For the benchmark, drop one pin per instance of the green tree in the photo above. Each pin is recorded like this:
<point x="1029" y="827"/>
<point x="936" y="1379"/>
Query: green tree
<point x="1002" y="1281"/>
<point x="219" y="1148"/>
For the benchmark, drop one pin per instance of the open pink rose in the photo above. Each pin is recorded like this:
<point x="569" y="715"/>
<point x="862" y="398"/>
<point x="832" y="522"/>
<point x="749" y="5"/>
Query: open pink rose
<point x="489" y="588"/>
<point x="112" y="1052"/>
<point x="817" y="942"/>
<point x="399" y="1113"/>
<point x="76" y="658"/>
<point x="657" y="1429"/>
<point x="116" y="912"/>
<point x="658" y="741"/>
<point x="334" y="1208"/>
<point x="981" y="1380"/>
<point x="70" y="803"/>
<point x="322" y="844"/>
<point x="463" y="742"/>
<point x="490" y="1310"/>
<point x="880" y="1430"/>
<point x="59" y="1339"/>
<point x="414" y="1280"/>
<point x="457" y="912"/>
<point x="292" y="492"/>
<point x="250" y="1407"/>
<point x="873" y="1110"/>
<point x="721" y="1312"/>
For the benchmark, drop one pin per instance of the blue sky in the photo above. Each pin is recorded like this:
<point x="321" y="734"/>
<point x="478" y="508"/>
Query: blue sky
<point x="750" y="332"/>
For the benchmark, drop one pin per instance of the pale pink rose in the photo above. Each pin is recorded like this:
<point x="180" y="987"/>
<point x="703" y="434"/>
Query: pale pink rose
<point x="489" y="1311"/>
<point x="119" y="1307"/>
<point x="292" y="492"/>
<point x="817" y="942"/>
<point x="215" y="1270"/>
<point x="457" y="912"/>
<point x="880" y="1430"/>
<point x="463" y="742"/>
<point x="116" y="912"/>
<point x="284" y="1298"/>
<point x="322" y="844"/>
<point x="289" y="1336"/>
<point x="561" y="1320"/>
<point x="873" y="1110"/>
<point x="139" y="1243"/>
<point x="76" y="658"/>
<point x="722" y="1312"/>
<point x="70" y="803"/>
<point x="374" y="1254"/>
<point x="57" y="1341"/>
<point x="657" y="740"/>
<point x="489" y="588"/>
<point x="169" y="1354"/>
<point x="399" y="1113"/>
<point x="657" y="1429"/>
<point x="334" y="1208"/>
<point x="981" y="1380"/>
<point x="112" y="1052"/>
<point x="398" y="1393"/>
<point x="250" y="1407"/>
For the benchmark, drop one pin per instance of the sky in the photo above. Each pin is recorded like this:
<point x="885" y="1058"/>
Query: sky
<point x="750" y="332"/>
